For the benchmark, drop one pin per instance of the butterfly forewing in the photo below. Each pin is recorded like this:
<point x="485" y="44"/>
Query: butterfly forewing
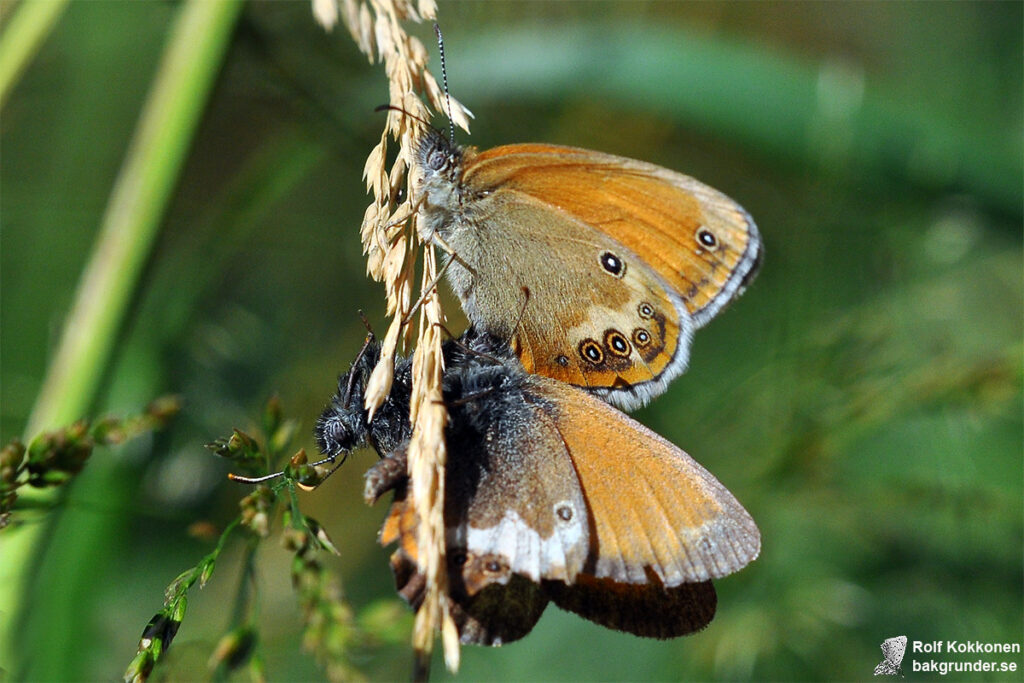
<point x="698" y="240"/>
<point x="597" y="267"/>
<point x="578" y="306"/>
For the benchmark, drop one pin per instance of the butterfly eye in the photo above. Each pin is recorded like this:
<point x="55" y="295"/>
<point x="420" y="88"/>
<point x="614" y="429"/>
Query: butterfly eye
<point x="646" y="311"/>
<point x="616" y="343"/>
<point x="707" y="239"/>
<point x="612" y="263"/>
<point x="437" y="159"/>
<point x="591" y="351"/>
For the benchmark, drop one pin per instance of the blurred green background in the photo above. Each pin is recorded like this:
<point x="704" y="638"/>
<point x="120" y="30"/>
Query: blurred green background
<point x="863" y="399"/>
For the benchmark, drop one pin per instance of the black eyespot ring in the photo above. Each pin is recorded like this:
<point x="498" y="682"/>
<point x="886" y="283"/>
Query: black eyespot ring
<point x="641" y="337"/>
<point x="646" y="311"/>
<point x="706" y="238"/>
<point x="493" y="566"/>
<point x="616" y="343"/>
<point x="591" y="351"/>
<point x="459" y="558"/>
<point x="564" y="512"/>
<point x="612" y="264"/>
<point x="563" y="361"/>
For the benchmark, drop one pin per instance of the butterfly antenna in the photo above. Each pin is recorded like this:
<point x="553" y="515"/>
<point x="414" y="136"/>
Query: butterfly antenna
<point x="359" y="357"/>
<point x="253" y="480"/>
<point x="329" y="473"/>
<point x="444" y="80"/>
<point x="275" y="475"/>
<point x="366" y="323"/>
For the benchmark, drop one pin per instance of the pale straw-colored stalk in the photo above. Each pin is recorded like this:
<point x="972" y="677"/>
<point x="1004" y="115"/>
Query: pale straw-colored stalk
<point x="391" y="242"/>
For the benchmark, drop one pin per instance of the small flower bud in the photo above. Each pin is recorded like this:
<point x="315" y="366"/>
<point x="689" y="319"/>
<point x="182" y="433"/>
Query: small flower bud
<point x="256" y="511"/>
<point x="11" y="455"/>
<point x="164" y="408"/>
<point x="140" y="668"/>
<point x="233" y="649"/>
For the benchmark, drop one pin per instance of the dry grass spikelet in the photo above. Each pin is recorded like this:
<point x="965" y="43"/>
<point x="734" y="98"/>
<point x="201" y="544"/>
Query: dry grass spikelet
<point x="391" y="242"/>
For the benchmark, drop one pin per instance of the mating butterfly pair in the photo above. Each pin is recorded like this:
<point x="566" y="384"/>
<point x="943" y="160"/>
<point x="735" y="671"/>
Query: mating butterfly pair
<point x="597" y="270"/>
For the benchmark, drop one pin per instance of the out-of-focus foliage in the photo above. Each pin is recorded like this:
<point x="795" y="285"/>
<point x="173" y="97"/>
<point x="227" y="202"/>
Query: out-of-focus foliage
<point x="863" y="399"/>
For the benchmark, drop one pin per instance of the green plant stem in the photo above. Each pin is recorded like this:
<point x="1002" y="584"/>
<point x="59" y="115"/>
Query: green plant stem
<point x="129" y="227"/>
<point x="244" y="604"/>
<point x="31" y="23"/>
<point x="137" y="203"/>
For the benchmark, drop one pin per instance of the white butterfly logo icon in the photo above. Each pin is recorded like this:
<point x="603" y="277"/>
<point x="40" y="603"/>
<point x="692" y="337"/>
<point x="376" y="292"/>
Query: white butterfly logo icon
<point x="893" y="649"/>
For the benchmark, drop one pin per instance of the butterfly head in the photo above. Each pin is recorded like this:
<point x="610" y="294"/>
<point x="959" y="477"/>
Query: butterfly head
<point x="342" y="426"/>
<point x="439" y="163"/>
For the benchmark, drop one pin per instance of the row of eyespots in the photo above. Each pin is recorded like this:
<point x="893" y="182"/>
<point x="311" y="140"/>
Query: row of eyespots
<point x="615" y="343"/>
<point x="591" y="351"/>
<point x="641" y="336"/>
<point x="616" y="267"/>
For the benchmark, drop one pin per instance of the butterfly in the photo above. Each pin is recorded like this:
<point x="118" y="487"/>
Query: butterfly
<point x="893" y="650"/>
<point x="551" y="495"/>
<point x="598" y="268"/>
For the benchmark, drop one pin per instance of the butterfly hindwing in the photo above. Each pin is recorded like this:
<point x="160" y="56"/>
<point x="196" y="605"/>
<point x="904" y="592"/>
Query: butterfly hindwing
<point x="512" y="497"/>
<point x="653" y="509"/>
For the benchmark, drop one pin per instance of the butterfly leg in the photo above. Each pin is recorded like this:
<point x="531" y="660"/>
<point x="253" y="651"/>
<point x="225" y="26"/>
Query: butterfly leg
<point x="388" y="474"/>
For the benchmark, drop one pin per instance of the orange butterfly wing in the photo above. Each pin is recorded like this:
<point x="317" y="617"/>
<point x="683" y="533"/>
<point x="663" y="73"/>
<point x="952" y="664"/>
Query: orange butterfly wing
<point x="545" y="218"/>
<point x="578" y="323"/>
<point x="654" y="212"/>
<point x="653" y="508"/>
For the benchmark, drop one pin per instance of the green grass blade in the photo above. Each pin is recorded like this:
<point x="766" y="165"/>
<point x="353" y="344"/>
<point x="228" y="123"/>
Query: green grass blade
<point x="20" y="41"/>
<point x="166" y="127"/>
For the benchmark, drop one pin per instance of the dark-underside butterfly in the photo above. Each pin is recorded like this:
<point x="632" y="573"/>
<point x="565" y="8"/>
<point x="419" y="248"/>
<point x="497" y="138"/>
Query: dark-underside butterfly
<point x="551" y="495"/>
